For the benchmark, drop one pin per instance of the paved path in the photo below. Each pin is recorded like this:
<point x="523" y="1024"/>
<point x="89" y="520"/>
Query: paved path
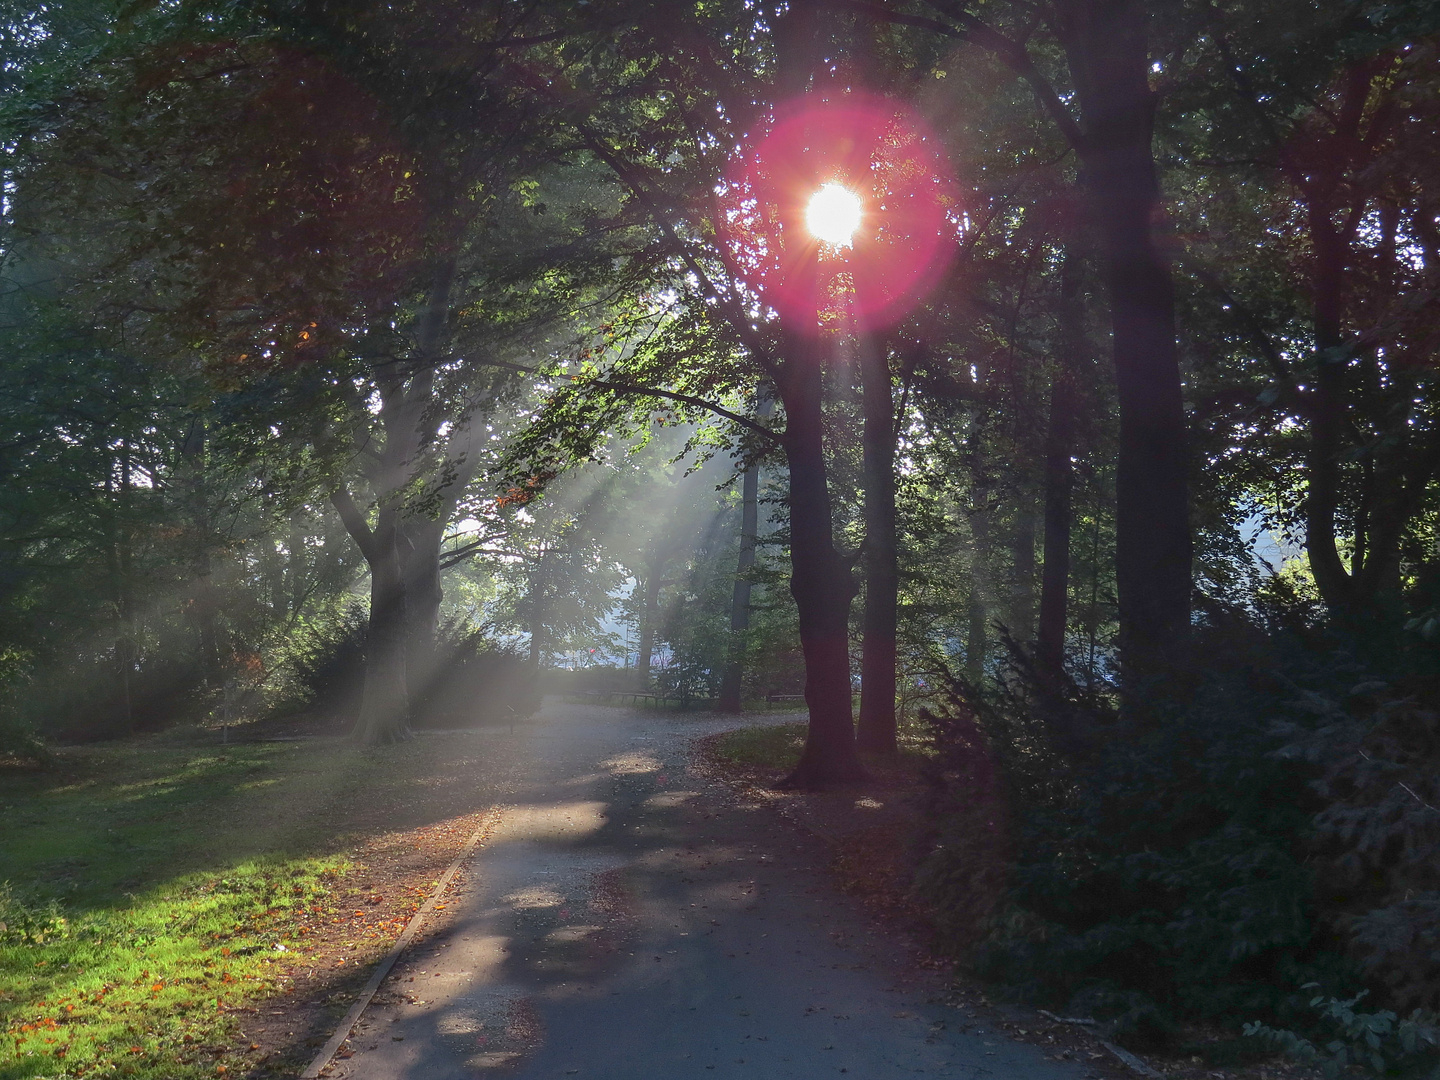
<point x="631" y="920"/>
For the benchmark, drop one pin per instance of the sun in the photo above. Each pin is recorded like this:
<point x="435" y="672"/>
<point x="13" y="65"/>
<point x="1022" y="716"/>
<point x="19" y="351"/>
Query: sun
<point x="833" y="214"/>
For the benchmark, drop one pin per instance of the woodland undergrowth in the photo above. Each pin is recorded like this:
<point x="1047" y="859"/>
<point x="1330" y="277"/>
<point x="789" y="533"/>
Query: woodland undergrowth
<point x="1255" y="843"/>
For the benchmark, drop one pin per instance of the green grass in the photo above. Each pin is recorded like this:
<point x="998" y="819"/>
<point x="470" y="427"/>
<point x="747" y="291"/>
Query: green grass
<point x="762" y="747"/>
<point x="149" y="884"/>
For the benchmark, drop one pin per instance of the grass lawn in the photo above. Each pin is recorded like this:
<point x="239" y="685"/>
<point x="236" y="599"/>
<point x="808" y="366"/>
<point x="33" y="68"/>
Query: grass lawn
<point x="761" y="747"/>
<point x="151" y="889"/>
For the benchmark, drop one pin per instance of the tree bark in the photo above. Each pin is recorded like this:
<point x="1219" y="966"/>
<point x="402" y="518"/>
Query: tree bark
<point x="1060" y="474"/>
<point x="419" y="553"/>
<point x="1106" y="43"/>
<point x="977" y="615"/>
<point x="649" y="611"/>
<point x="1022" y="565"/>
<point x="385" y="702"/>
<point x="876" y="732"/>
<point x="732" y="683"/>
<point x="820" y="581"/>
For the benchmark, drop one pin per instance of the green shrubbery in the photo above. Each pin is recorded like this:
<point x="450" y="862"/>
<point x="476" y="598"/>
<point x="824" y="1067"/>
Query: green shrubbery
<point x="1267" y="824"/>
<point x="1380" y="1042"/>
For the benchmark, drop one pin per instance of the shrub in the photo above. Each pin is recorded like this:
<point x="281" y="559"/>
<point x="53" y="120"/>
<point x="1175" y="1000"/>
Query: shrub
<point x="473" y="683"/>
<point x="1159" y="868"/>
<point x="24" y="922"/>
<point x="327" y="661"/>
<point x="1380" y="1042"/>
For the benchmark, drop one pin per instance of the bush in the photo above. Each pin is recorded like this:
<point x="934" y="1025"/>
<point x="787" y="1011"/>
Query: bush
<point x="1158" y="870"/>
<point x="19" y="745"/>
<point x="327" y="662"/>
<point x="1380" y="1042"/>
<point x="24" y="922"/>
<point x="474" y="683"/>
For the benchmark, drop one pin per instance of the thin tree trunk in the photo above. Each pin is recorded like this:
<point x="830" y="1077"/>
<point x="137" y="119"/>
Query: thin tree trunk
<point x="1327" y="419"/>
<point x="876" y="732"/>
<point x="977" y="615"/>
<point x="1060" y="475"/>
<point x="204" y="611"/>
<point x="732" y="683"/>
<point x="649" y="614"/>
<point x="1022" y="563"/>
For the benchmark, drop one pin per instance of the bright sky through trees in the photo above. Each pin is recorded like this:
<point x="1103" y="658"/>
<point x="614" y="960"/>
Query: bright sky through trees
<point x="833" y="214"/>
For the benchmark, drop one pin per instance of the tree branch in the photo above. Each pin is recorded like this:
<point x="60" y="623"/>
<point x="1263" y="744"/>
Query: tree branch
<point x="355" y="524"/>
<point x="651" y="391"/>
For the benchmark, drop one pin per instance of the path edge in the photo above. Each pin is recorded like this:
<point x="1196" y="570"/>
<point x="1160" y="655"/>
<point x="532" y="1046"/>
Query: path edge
<point x="347" y="1025"/>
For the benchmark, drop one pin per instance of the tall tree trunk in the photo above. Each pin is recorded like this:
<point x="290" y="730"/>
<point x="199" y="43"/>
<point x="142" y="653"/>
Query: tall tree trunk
<point x="385" y="703"/>
<point x="732" y="683"/>
<point x="876" y="732"/>
<point x="1106" y="42"/>
<point x="1327" y="416"/>
<point x="385" y="708"/>
<point x="297" y="565"/>
<point x="205" y="608"/>
<point x="649" y="615"/>
<point x="1022" y="563"/>
<point x="420" y="542"/>
<point x="1060" y="474"/>
<point x="820" y="582"/>
<point x="977" y="615"/>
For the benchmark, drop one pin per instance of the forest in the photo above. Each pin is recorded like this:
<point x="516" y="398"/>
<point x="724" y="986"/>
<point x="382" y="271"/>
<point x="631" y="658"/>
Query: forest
<point x="1044" y="386"/>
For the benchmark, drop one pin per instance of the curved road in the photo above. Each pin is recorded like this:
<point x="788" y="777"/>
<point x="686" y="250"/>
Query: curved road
<point x="631" y="919"/>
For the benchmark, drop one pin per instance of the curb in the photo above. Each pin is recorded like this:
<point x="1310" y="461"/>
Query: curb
<point x="322" y="1060"/>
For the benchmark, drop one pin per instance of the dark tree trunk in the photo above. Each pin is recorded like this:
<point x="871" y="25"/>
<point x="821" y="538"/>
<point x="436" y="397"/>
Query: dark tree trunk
<point x="649" y="615"/>
<point x="1022" y="564"/>
<point x="420" y="543"/>
<point x="384" y="709"/>
<point x="977" y="615"/>
<point x="1106" y="42"/>
<point x="385" y="702"/>
<point x="1327" y="416"/>
<point x="820" y="580"/>
<point x="205" y="606"/>
<point x="876" y="732"/>
<point x="732" y="683"/>
<point x="1060" y="475"/>
<point x="821" y="584"/>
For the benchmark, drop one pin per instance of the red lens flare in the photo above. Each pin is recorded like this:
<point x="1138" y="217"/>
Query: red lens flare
<point x="876" y="150"/>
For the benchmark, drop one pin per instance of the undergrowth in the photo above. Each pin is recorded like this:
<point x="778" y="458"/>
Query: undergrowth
<point x="1262" y="826"/>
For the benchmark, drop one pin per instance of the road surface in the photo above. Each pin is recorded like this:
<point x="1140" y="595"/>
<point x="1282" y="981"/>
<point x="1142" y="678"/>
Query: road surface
<point x="629" y="919"/>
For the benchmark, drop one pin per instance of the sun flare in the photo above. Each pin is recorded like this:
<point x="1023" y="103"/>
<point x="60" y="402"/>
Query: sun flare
<point x="833" y="215"/>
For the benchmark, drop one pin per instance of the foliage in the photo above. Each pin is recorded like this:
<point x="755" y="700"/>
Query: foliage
<point x="1162" y="873"/>
<point x="24" y="922"/>
<point x="1377" y="836"/>
<point x="475" y="683"/>
<point x="326" y="658"/>
<point x="1379" y="1042"/>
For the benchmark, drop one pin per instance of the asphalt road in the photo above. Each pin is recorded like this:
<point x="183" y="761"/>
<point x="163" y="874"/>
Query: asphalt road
<point x="631" y="919"/>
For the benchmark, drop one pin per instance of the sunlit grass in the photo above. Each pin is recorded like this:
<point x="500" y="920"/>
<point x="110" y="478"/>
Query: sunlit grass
<point x="762" y="747"/>
<point x="149" y="885"/>
<point x="143" y="990"/>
